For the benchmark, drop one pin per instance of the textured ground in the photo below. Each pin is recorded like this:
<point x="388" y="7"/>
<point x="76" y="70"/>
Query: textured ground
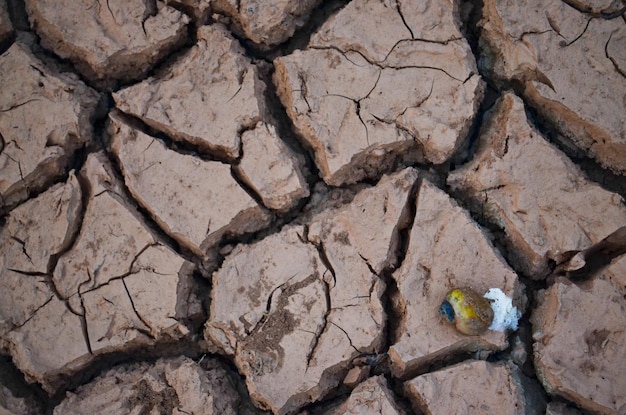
<point x="220" y="207"/>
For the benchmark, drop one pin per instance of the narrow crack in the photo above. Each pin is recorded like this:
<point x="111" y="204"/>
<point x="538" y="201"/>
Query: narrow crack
<point x="538" y="32"/>
<point x="131" y="271"/>
<point x="32" y="315"/>
<point x="149" y="333"/>
<point x="23" y="244"/>
<point x="324" y="258"/>
<point x="83" y="323"/>
<point x="268" y="308"/>
<point x="304" y="92"/>
<point x="506" y="145"/>
<point x="344" y="53"/>
<point x="147" y="220"/>
<point x="395" y="123"/>
<point x="399" y="10"/>
<point x="564" y="43"/>
<point x="28" y="273"/>
<point x="41" y="73"/>
<point x="358" y="113"/>
<point x="381" y="64"/>
<point x="238" y="175"/>
<point x="358" y="107"/>
<point x="111" y="12"/>
<point x="327" y="297"/>
<point x="395" y="314"/>
<point x="74" y="228"/>
<point x="348" y="337"/>
<point x="131" y="267"/>
<point x="555" y="27"/>
<point x="15" y="106"/>
<point x="613" y="60"/>
<point x="324" y="327"/>
<point x="434" y="68"/>
<point x="183" y="147"/>
<point x="151" y="10"/>
<point x="369" y="266"/>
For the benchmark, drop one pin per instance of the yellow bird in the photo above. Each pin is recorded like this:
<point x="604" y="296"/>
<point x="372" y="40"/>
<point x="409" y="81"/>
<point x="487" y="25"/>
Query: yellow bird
<point x="469" y="311"/>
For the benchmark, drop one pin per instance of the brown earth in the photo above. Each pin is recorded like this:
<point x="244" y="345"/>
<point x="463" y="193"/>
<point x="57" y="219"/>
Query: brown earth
<point x="245" y="207"/>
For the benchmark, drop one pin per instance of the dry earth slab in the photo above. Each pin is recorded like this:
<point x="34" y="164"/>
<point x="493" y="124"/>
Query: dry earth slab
<point x="372" y="396"/>
<point x="268" y="22"/>
<point x="475" y="387"/>
<point x="116" y="287"/>
<point x="30" y="239"/>
<point x="208" y="98"/>
<point x="172" y="386"/>
<point x="38" y="330"/>
<point x="379" y="82"/>
<point x="547" y="47"/>
<point x="447" y="250"/>
<point x="111" y="41"/>
<point x="296" y="307"/>
<point x="527" y="187"/>
<point x="271" y="169"/>
<point x="45" y="116"/>
<point x="213" y="99"/>
<point x="580" y="340"/>
<point x="195" y="201"/>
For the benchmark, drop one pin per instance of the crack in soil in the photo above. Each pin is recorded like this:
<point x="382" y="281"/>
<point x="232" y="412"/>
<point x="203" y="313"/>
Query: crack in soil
<point x="399" y="10"/>
<point x="621" y="71"/>
<point x="323" y="327"/>
<point x="148" y="333"/>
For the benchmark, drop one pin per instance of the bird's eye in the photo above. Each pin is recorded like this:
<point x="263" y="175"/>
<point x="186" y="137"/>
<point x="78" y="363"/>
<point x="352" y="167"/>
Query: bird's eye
<point x="447" y="311"/>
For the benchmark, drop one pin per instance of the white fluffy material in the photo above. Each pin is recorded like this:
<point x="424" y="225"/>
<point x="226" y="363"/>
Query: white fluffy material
<point x="505" y="316"/>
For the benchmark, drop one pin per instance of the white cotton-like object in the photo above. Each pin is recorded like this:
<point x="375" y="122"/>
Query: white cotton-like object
<point x="505" y="316"/>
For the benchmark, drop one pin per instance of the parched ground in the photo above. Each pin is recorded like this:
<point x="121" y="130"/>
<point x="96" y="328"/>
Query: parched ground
<point x="257" y="207"/>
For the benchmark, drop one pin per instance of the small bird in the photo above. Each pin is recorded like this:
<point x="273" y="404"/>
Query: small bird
<point x="469" y="311"/>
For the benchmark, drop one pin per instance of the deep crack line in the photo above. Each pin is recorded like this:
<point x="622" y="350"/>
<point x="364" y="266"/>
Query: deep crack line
<point x="149" y="333"/>
<point x="613" y="60"/>
<point x="83" y="323"/>
<point x="324" y="327"/>
<point x="15" y="106"/>
<point x="32" y="315"/>
<point x="381" y="64"/>
<point x="399" y="10"/>
<point x="23" y="244"/>
<point x="348" y="337"/>
<point x="564" y="43"/>
<point x="268" y="308"/>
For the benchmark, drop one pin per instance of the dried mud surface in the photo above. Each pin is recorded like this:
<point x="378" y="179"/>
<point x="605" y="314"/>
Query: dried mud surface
<point x="246" y="207"/>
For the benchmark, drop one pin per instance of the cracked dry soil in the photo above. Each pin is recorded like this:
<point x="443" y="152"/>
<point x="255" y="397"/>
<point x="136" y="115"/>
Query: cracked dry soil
<point x="245" y="207"/>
